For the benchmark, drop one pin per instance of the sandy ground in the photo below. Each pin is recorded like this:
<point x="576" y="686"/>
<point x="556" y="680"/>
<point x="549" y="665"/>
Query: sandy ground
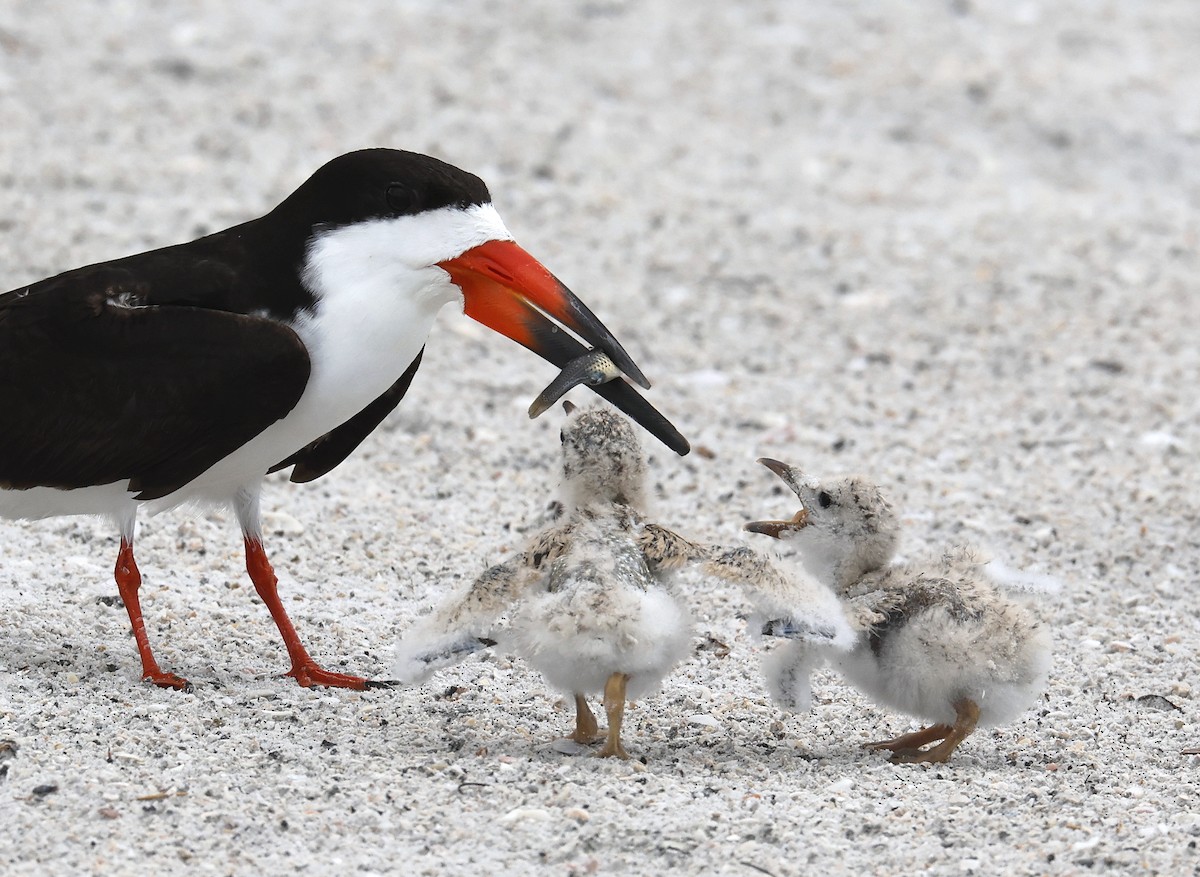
<point x="952" y="245"/>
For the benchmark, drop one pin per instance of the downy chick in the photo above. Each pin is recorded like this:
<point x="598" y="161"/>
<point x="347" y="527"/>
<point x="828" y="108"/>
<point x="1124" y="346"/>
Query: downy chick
<point x="936" y="640"/>
<point x="587" y="602"/>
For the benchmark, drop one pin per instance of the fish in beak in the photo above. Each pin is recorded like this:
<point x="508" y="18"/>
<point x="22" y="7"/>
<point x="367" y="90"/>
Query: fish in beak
<point x="509" y="291"/>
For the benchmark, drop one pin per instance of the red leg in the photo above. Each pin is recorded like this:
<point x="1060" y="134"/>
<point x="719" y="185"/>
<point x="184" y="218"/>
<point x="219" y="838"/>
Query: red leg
<point x="129" y="579"/>
<point x="304" y="669"/>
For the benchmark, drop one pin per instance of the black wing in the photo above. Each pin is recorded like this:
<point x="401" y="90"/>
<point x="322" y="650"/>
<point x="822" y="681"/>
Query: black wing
<point x="318" y="457"/>
<point x="97" y="386"/>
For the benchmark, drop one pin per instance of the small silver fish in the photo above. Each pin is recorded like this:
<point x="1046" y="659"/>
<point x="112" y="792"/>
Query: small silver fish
<point x="593" y="368"/>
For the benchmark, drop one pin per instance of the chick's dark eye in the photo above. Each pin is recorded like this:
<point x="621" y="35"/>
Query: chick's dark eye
<point x="402" y="199"/>
<point x="562" y="436"/>
<point x="824" y="500"/>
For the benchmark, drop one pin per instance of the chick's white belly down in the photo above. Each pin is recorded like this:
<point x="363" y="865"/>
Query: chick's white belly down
<point x="581" y="634"/>
<point x="931" y="663"/>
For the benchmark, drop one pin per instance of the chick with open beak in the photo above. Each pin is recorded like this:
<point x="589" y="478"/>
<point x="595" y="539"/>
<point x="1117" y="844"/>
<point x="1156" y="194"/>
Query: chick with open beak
<point x="938" y="639"/>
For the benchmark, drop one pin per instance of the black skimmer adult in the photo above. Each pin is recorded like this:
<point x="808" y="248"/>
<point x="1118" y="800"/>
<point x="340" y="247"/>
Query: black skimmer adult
<point x="188" y="373"/>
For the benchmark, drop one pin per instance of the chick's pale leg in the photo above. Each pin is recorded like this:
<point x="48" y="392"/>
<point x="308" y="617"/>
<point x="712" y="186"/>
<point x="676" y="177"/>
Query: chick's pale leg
<point x="915" y="740"/>
<point x="614" y="706"/>
<point x="964" y="724"/>
<point x="586" y="729"/>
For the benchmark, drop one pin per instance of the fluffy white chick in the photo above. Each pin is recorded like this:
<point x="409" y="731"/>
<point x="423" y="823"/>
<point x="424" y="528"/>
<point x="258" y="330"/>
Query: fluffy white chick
<point x="935" y="640"/>
<point x="588" y="602"/>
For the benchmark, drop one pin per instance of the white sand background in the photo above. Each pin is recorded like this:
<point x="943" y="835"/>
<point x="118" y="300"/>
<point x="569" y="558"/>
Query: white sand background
<point x="952" y="245"/>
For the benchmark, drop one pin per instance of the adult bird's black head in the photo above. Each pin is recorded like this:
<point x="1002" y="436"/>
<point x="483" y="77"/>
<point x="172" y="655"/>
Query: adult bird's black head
<point x="404" y="212"/>
<point x="188" y="373"/>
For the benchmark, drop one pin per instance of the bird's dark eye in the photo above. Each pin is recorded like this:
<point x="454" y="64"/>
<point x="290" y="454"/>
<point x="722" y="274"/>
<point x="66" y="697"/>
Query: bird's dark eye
<point x="403" y="199"/>
<point x="824" y="500"/>
<point x="562" y="436"/>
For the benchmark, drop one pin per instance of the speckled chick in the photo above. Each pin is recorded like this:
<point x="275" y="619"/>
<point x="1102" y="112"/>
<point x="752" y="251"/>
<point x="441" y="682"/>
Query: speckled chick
<point x="936" y="640"/>
<point x="588" y="602"/>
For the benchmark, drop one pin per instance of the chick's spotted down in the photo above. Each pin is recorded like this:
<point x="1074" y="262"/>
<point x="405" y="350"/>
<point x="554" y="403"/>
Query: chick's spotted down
<point x="587" y="603"/>
<point x="938" y="640"/>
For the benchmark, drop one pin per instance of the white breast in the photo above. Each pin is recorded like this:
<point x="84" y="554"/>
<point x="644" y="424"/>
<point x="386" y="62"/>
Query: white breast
<point x="378" y="289"/>
<point x="372" y="315"/>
